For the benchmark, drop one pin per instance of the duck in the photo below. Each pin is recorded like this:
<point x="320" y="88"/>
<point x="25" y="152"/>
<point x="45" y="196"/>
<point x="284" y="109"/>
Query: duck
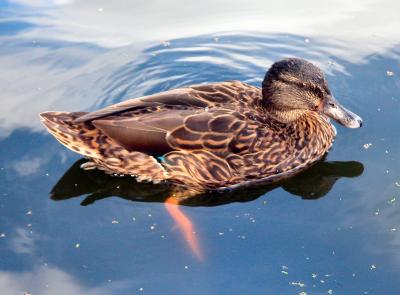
<point x="212" y="137"/>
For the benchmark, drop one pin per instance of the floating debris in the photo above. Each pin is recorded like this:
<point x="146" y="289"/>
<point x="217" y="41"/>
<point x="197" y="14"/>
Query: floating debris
<point x="373" y="266"/>
<point x="330" y="291"/>
<point x="166" y="43"/>
<point x="77" y="245"/>
<point x="300" y="284"/>
<point x="314" y="275"/>
<point x="153" y="226"/>
<point x="285" y="267"/>
<point x="392" y="200"/>
<point x="29" y="212"/>
<point x="284" y="272"/>
<point x="186" y="267"/>
<point x="141" y="289"/>
<point x="397" y="184"/>
<point x="220" y="233"/>
<point x="114" y="221"/>
<point x="389" y="73"/>
<point x="393" y="229"/>
<point x="377" y="212"/>
<point x="367" y="145"/>
<point x="3" y="235"/>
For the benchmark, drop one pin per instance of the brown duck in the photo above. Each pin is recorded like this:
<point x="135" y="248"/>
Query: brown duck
<point x="212" y="136"/>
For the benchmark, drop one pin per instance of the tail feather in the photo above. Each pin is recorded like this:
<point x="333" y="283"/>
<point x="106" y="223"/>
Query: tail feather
<point x="105" y="154"/>
<point x="82" y="138"/>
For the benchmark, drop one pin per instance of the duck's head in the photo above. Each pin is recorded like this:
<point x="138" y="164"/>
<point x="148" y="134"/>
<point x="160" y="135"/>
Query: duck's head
<point x="292" y="87"/>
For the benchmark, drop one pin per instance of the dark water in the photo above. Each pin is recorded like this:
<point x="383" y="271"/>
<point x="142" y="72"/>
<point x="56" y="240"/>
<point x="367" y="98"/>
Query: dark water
<point x="334" y="229"/>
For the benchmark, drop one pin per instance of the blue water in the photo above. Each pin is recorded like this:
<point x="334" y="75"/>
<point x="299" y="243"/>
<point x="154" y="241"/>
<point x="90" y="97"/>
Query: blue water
<point x="333" y="230"/>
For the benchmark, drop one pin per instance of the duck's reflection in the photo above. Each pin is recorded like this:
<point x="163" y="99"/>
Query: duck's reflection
<point x="311" y="184"/>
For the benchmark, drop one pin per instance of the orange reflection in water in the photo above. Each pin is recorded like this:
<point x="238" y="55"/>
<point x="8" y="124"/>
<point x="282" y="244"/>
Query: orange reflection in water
<point x="185" y="225"/>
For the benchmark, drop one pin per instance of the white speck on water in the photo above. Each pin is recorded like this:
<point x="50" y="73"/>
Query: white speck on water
<point x="109" y="281"/>
<point x="302" y="293"/>
<point x="114" y="221"/>
<point x="306" y="40"/>
<point x="3" y="235"/>
<point x="284" y="272"/>
<point x="220" y="233"/>
<point x="393" y="229"/>
<point x="300" y="284"/>
<point x="353" y="275"/>
<point x="29" y="225"/>
<point x="77" y="245"/>
<point x="392" y="200"/>
<point x="397" y="184"/>
<point x="29" y="212"/>
<point x="166" y="43"/>
<point x="216" y="39"/>
<point x="153" y="226"/>
<point x="242" y="237"/>
<point x="389" y="73"/>
<point x="330" y="291"/>
<point x="162" y="237"/>
<point x="386" y="152"/>
<point x="322" y="281"/>
<point x="186" y="267"/>
<point x="377" y="212"/>
<point x="285" y="267"/>
<point x="47" y="174"/>
<point x="367" y="145"/>
<point x="378" y="109"/>
<point x="27" y="293"/>
<point x="100" y="9"/>
<point x="133" y="218"/>
<point x="149" y="215"/>
<point x="141" y="289"/>
<point x="314" y="275"/>
<point x="373" y="266"/>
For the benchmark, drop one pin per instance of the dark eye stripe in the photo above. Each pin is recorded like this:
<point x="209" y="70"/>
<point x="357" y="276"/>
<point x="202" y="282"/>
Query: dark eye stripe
<point x="311" y="88"/>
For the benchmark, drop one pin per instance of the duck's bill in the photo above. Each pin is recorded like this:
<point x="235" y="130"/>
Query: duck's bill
<point x="333" y="109"/>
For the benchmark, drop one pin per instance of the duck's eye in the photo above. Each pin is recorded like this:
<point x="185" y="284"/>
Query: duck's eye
<point x="332" y="105"/>
<point x="318" y="92"/>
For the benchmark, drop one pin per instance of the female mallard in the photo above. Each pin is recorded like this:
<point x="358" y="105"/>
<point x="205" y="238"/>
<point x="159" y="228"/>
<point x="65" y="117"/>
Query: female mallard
<point x="212" y="136"/>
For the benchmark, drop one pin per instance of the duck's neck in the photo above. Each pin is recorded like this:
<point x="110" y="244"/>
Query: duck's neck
<point x="317" y="130"/>
<point x="286" y="116"/>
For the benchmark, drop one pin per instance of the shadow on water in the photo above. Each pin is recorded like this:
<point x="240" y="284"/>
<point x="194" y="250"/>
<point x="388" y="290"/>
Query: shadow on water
<point x="311" y="184"/>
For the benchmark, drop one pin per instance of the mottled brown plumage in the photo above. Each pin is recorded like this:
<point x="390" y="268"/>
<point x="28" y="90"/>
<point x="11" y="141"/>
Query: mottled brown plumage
<point x="212" y="136"/>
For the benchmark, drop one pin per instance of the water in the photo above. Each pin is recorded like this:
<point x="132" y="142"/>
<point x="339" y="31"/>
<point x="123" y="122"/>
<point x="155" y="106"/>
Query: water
<point x="332" y="230"/>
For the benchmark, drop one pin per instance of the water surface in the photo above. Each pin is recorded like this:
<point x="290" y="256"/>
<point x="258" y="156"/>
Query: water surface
<point x="333" y="230"/>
